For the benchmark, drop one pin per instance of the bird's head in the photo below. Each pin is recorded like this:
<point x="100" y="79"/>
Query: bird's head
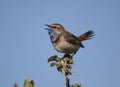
<point x="58" y="28"/>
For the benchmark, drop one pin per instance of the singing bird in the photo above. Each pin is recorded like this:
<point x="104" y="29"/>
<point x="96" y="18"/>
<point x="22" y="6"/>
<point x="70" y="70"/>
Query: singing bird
<point x="64" y="41"/>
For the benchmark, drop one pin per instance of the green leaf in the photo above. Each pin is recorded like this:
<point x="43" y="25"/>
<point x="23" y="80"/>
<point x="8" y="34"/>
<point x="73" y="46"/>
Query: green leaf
<point x="76" y="85"/>
<point x="54" y="58"/>
<point x="53" y="64"/>
<point x="75" y="73"/>
<point x="70" y="61"/>
<point x="59" y="67"/>
<point x="28" y="83"/>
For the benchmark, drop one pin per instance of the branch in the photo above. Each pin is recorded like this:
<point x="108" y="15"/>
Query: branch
<point x="67" y="82"/>
<point x="63" y="65"/>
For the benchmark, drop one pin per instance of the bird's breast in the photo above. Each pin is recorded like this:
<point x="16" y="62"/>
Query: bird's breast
<point x="58" y="42"/>
<point x="61" y="45"/>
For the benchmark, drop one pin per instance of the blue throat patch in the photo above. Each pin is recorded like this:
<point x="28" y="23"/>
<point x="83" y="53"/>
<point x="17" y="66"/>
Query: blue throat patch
<point x="53" y="36"/>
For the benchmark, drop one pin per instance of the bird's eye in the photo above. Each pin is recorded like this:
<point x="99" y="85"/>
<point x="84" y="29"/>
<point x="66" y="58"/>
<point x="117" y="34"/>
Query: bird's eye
<point x="54" y="26"/>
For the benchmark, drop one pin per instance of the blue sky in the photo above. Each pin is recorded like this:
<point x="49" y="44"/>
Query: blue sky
<point x="25" y="45"/>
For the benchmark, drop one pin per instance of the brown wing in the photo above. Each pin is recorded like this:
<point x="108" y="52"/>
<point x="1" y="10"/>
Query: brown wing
<point x="69" y="37"/>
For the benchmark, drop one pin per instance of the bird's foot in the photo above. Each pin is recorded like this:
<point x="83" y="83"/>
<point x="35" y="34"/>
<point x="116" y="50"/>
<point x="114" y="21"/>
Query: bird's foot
<point x="68" y="56"/>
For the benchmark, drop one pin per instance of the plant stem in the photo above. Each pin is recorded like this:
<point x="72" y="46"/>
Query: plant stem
<point x="67" y="81"/>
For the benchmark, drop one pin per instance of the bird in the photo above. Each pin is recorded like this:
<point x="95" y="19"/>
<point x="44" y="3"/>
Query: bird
<point x="66" y="42"/>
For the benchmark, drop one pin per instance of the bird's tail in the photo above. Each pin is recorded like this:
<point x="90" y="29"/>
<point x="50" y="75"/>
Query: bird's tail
<point x="86" y="36"/>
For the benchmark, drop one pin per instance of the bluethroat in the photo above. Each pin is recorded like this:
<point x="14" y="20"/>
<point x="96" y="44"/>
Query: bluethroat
<point x="66" y="42"/>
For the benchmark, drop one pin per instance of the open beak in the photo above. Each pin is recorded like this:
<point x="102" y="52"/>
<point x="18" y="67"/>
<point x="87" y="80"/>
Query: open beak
<point x="47" y="25"/>
<point x="47" y="29"/>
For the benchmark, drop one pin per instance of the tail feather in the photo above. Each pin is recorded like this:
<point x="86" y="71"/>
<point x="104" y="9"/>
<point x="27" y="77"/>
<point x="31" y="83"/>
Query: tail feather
<point x="86" y="36"/>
